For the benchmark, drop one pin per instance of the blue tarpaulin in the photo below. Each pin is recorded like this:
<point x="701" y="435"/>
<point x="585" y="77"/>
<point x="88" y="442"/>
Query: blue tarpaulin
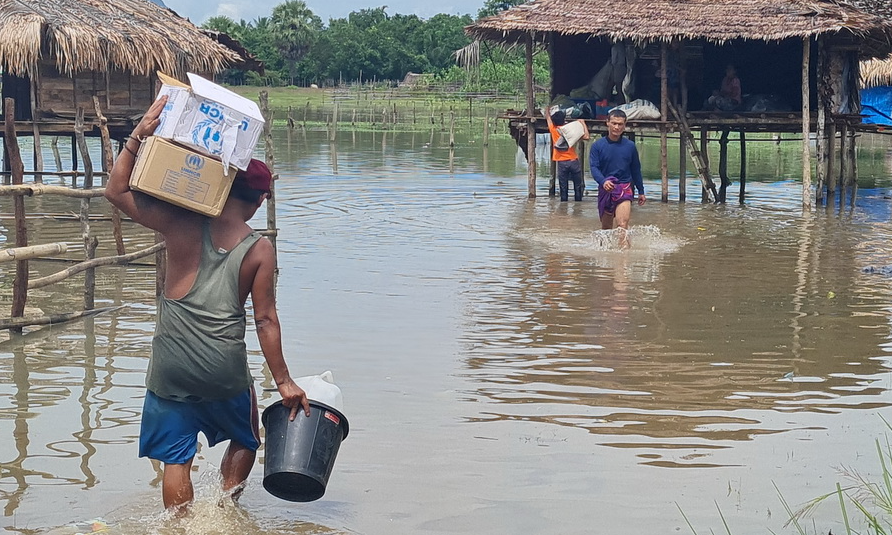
<point x="876" y="105"/>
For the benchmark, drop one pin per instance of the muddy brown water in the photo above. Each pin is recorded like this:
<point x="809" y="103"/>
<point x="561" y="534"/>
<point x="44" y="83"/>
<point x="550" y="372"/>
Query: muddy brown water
<point x="505" y="369"/>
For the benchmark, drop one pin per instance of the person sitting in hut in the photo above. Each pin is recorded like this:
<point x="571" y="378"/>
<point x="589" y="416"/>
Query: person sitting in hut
<point x="568" y="167"/>
<point x="729" y="97"/>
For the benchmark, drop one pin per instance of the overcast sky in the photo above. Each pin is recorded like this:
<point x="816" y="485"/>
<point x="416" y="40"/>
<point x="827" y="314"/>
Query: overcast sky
<point x="200" y="10"/>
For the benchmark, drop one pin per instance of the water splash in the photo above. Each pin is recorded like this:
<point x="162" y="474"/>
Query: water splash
<point x="647" y="239"/>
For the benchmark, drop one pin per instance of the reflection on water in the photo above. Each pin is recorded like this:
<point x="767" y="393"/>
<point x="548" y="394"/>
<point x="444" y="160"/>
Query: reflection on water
<point x="505" y="367"/>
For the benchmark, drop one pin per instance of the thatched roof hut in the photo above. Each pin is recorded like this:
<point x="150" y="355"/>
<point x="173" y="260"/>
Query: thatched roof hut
<point x="100" y="35"/>
<point x="789" y="55"/>
<point x="716" y="21"/>
<point x="57" y="54"/>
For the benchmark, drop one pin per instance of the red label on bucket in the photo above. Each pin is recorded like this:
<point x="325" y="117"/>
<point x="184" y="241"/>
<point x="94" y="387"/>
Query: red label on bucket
<point x="333" y="417"/>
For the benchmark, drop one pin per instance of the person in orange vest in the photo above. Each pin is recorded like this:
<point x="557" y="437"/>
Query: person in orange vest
<point x="568" y="167"/>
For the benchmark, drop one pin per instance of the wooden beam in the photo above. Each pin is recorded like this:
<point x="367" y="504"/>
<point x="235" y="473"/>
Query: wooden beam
<point x="94" y="263"/>
<point x="18" y="190"/>
<point x="51" y="319"/>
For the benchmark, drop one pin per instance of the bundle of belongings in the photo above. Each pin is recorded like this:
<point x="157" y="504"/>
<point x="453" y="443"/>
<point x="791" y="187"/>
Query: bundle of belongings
<point x="207" y="133"/>
<point x="640" y="109"/>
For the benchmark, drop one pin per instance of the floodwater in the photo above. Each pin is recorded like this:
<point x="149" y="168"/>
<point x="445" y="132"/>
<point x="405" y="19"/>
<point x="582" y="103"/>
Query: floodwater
<point x="505" y="368"/>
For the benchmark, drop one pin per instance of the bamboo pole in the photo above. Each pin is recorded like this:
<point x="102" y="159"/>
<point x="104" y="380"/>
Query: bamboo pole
<point x="94" y="263"/>
<point x="806" y="127"/>
<point x="451" y="129"/>
<point x="290" y="117"/>
<point x="486" y="129"/>
<point x="333" y="134"/>
<point x="18" y="190"/>
<point x="851" y="167"/>
<point x="20" y="283"/>
<point x="108" y="160"/>
<point x="51" y="319"/>
<point x="531" y="123"/>
<point x="664" y="117"/>
<point x="32" y="251"/>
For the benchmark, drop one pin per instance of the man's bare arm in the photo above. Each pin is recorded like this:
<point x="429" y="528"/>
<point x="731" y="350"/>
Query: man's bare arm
<point x="269" y="332"/>
<point x="144" y="209"/>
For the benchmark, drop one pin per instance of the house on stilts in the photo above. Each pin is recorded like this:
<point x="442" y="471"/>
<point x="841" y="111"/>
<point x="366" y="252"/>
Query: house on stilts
<point x="57" y="55"/>
<point x="798" y="60"/>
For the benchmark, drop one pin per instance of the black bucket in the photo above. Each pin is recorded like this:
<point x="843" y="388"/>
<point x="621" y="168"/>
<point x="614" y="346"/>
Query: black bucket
<point x="301" y="453"/>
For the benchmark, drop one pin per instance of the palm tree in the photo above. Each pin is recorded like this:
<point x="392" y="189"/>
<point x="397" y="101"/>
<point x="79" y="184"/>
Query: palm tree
<point x="294" y="28"/>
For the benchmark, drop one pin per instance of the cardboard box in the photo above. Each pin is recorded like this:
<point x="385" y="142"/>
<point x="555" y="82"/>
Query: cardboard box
<point x="210" y="119"/>
<point x="180" y="176"/>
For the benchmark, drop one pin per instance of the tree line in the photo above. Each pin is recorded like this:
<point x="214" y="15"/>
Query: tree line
<point x="367" y="45"/>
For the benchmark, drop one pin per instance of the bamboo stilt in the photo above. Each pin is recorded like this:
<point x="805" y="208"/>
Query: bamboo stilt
<point x="704" y="155"/>
<point x="90" y="274"/>
<point x="56" y="154"/>
<point x="271" y="223"/>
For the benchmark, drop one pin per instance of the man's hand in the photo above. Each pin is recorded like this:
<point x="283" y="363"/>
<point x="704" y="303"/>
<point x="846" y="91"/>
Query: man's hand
<point x="608" y="185"/>
<point x="641" y="199"/>
<point x="293" y="397"/>
<point x="150" y="121"/>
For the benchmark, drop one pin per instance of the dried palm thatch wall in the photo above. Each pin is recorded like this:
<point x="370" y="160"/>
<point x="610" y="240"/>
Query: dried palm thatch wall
<point x="876" y="72"/>
<point x="62" y="52"/>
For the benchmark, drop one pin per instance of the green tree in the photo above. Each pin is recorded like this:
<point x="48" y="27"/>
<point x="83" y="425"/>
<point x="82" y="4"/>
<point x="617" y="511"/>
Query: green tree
<point x="294" y="28"/>
<point x="491" y="7"/>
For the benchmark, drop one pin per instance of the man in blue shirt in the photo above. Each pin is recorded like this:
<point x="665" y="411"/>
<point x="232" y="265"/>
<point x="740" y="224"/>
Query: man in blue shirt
<point x="615" y="166"/>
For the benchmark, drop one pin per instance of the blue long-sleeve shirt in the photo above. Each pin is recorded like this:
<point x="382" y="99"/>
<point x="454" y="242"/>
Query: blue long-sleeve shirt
<point x="618" y="159"/>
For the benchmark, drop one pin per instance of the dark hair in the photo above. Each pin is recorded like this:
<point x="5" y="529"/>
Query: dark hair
<point x="559" y="118"/>
<point x="241" y="191"/>
<point x="616" y="113"/>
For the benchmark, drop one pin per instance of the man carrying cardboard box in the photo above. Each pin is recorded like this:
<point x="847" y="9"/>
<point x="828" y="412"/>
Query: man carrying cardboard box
<point x="198" y="377"/>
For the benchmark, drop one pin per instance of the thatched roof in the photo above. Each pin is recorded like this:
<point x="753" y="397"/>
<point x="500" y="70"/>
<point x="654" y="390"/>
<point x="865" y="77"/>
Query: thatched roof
<point x="101" y="35"/>
<point x="876" y="72"/>
<point x="666" y="20"/>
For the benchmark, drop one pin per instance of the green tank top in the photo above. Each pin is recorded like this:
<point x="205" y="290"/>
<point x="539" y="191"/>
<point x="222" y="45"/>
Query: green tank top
<point x="198" y="351"/>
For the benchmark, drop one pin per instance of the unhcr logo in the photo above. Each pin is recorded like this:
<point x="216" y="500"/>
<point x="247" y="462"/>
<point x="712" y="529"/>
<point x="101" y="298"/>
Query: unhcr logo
<point x="194" y="162"/>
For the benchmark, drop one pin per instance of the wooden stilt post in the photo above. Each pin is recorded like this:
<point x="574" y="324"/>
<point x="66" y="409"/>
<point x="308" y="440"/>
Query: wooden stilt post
<point x="17" y="169"/>
<point x="704" y="145"/>
<point x="664" y="117"/>
<point x="832" y="173"/>
<point x="552" y="180"/>
<point x="851" y="167"/>
<point x="271" y="224"/>
<point x="531" y="123"/>
<point x="742" y="195"/>
<point x="682" y="170"/>
<point x="90" y="242"/>
<point x="38" y="151"/>
<point x="821" y="131"/>
<point x="723" y="167"/>
<point x="806" y="127"/>
<point x="108" y="160"/>
<point x="56" y="154"/>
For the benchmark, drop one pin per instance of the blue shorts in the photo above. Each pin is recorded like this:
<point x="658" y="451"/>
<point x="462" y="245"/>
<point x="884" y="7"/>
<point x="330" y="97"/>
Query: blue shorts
<point x="169" y="429"/>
